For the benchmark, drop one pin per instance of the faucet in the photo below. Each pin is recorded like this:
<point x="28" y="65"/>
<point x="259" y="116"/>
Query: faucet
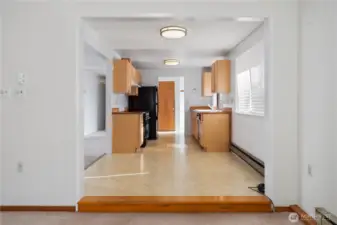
<point x="211" y="107"/>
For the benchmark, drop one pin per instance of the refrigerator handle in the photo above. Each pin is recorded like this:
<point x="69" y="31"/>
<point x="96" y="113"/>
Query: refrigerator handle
<point x="157" y="103"/>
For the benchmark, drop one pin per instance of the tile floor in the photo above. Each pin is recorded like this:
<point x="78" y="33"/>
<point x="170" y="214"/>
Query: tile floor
<point x="90" y="160"/>
<point x="174" y="165"/>
<point x="35" y="218"/>
<point x="95" y="145"/>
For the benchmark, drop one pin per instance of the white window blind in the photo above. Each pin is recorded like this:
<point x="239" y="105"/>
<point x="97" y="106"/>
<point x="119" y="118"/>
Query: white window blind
<point x="250" y="91"/>
<point x="257" y="90"/>
<point x="244" y="92"/>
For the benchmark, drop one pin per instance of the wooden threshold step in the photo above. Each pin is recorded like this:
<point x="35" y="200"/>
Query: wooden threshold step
<point x="174" y="204"/>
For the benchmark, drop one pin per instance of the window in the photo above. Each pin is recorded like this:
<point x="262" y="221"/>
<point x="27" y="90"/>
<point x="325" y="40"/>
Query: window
<point x="250" y="91"/>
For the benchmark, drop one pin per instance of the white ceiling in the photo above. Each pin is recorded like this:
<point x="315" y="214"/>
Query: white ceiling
<point x="140" y="40"/>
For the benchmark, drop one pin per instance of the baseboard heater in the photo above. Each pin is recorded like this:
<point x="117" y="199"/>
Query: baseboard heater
<point x="324" y="217"/>
<point x="254" y="162"/>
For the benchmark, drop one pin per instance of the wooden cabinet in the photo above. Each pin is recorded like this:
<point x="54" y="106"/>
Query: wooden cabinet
<point x="141" y="132"/>
<point x="135" y="82"/>
<point x="125" y="78"/>
<point x="215" y="132"/>
<point x="206" y="84"/>
<point x="134" y="91"/>
<point x="194" y="125"/>
<point x="138" y="77"/>
<point x="127" y="132"/>
<point x="201" y="131"/>
<point x="122" y="76"/>
<point x="194" y="121"/>
<point x="221" y="70"/>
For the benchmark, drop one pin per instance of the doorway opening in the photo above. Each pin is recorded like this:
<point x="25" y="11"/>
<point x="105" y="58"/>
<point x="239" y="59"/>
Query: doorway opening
<point x="96" y="102"/>
<point x="101" y="109"/>
<point x="174" y="159"/>
<point x="171" y="105"/>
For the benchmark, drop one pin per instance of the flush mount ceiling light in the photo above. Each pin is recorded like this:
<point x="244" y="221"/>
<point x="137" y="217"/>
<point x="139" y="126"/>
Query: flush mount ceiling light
<point x="171" y="62"/>
<point x="173" y="32"/>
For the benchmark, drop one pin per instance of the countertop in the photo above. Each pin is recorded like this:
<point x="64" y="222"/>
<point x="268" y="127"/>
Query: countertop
<point x="223" y="111"/>
<point x="126" y="113"/>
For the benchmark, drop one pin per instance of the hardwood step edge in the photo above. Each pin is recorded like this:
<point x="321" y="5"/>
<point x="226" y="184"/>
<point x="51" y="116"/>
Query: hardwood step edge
<point x="175" y="208"/>
<point x="137" y="200"/>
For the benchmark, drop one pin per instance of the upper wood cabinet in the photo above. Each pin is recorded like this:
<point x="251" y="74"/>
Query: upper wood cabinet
<point x="122" y="74"/>
<point x="125" y="78"/>
<point x="138" y="77"/>
<point x="135" y="83"/>
<point x="133" y="91"/>
<point x="221" y="75"/>
<point x="206" y="84"/>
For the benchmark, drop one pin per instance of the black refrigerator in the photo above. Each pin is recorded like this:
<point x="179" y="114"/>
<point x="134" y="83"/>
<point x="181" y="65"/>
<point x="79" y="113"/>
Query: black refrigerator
<point x="146" y="101"/>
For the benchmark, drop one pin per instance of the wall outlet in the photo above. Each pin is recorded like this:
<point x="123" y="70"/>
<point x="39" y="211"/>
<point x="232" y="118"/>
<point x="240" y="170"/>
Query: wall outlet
<point x="19" y="167"/>
<point x="20" y="93"/>
<point x="309" y="170"/>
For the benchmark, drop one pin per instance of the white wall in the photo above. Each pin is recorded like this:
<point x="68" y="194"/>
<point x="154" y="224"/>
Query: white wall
<point x="249" y="132"/>
<point x="317" y="108"/>
<point x="40" y="128"/>
<point x="1" y="75"/>
<point x="335" y="152"/>
<point x="93" y="64"/>
<point x="192" y="80"/>
<point x="47" y="125"/>
<point x="91" y="102"/>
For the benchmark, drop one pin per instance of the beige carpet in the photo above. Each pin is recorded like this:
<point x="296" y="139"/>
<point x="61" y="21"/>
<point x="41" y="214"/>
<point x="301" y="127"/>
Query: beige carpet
<point x="35" y="218"/>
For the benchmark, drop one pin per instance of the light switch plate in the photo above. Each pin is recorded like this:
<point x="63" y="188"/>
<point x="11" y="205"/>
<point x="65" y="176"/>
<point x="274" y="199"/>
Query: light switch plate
<point x="21" y="78"/>
<point x="5" y="93"/>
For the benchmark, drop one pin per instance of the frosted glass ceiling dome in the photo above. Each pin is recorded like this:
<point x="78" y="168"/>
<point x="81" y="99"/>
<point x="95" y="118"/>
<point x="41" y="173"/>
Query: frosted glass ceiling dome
<point x="173" y="32"/>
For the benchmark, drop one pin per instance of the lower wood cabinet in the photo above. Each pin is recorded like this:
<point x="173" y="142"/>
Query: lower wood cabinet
<point x="127" y="132"/>
<point x="201" y="132"/>
<point x="194" y="123"/>
<point x="213" y="131"/>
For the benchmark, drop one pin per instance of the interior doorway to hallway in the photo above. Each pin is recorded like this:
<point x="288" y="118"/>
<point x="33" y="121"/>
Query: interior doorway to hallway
<point x="175" y="106"/>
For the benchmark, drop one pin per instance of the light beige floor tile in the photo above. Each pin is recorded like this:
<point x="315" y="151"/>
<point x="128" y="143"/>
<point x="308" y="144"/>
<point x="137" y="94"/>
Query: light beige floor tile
<point x="171" y="166"/>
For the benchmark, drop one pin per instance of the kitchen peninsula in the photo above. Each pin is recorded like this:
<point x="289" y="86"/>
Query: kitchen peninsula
<point x="127" y="131"/>
<point x="211" y="128"/>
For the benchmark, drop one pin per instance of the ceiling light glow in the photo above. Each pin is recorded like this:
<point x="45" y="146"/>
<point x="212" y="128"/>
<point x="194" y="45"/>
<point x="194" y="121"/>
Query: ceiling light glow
<point x="171" y="62"/>
<point x="173" y="32"/>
